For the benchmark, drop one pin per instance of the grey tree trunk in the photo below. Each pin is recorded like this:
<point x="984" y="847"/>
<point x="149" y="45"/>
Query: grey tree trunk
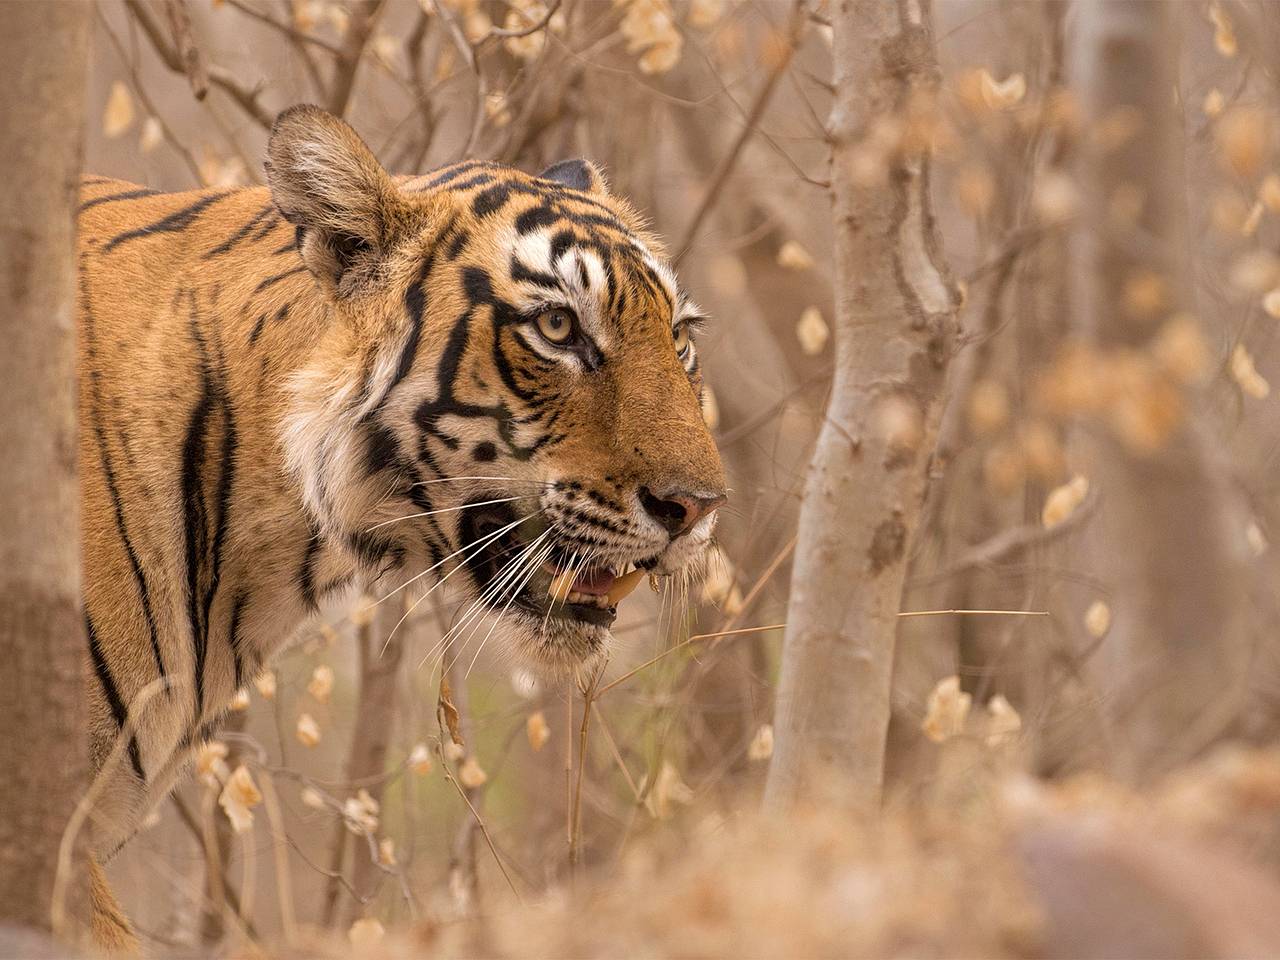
<point x="43" y="743"/>
<point x="1168" y="537"/>
<point x="894" y="327"/>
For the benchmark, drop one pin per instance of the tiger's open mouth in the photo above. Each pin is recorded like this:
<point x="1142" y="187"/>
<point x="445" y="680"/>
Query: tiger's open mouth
<point x="520" y="568"/>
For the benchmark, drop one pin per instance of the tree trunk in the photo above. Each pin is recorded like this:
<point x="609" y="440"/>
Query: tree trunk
<point x="1167" y="539"/>
<point x="43" y="743"/>
<point x="895" y="315"/>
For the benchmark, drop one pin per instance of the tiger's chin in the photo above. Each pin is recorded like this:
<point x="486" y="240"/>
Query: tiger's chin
<point x="554" y="613"/>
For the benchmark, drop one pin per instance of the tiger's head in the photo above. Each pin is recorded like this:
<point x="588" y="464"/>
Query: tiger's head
<point x="506" y="392"/>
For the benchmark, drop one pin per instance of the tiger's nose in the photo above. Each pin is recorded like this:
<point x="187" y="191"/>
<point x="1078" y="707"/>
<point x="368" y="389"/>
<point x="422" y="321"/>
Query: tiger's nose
<point x="678" y="511"/>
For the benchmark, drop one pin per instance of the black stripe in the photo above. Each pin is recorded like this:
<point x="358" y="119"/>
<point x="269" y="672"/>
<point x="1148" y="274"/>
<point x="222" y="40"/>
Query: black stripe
<point x="307" y="573"/>
<point x="127" y="195"/>
<point x="239" y="235"/>
<point x="109" y="690"/>
<point x="195" y="516"/>
<point x="233" y="636"/>
<point x="123" y="532"/>
<point x="277" y="278"/>
<point x="173" y="223"/>
<point x="109" y="475"/>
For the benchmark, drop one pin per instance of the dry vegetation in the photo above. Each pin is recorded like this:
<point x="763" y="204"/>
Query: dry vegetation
<point x="1083" y="707"/>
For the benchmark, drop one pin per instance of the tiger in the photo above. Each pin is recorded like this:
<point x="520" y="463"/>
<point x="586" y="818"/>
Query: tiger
<point x="474" y="374"/>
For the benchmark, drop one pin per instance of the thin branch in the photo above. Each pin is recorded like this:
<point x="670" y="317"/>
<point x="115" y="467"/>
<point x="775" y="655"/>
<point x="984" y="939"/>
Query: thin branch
<point x="499" y="32"/>
<point x="684" y="643"/>
<point x="218" y="76"/>
<point x="180" y="25"/>
<point x="290" y="31"/>
<point x="722" y="173"/>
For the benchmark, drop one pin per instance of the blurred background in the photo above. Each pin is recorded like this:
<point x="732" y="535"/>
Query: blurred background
<point x="1101" y="481"/>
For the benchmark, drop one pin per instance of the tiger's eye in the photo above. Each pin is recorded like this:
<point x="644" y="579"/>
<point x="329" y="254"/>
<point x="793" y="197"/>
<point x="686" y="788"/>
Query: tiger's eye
<point x="681" y="334"/>
<point x="556" y="324"/>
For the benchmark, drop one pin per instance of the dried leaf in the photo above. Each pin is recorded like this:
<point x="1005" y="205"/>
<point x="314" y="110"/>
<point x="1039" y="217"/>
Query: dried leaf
<point x="988" y="407"/>
<point x="1214" y="102"/>
<point x="1055" y="197"/>
<point x="812" y="331"/>
<point x="360" y="813"/>
<point x="1062" y="501"/>
<point x="420" y="759"/>
<point x="238" y="798"/>
<point x="387" y="852"/>
<point x="946" y="710"/>
<point x="1224" y="34"/>
<point x="117" y="116"/>
<point x="793" y="256"/>
<point x="1271" y="303"/>
<point x="761" y="747"/>
<point x="311" y="797"/>
<point x="1250" y="225"/>
<point x="1097" y="619"/>
<point x="152" y="135"/>
<point x="266" y="685"/>
<point x="703" y="14"/>
<point x="240" y="700"/>
<point x="1256" y="272"/>
<point x="211" y="765"/>
<point x="365" y="932"/>
<point x="1269" y="192"/>
<point x="471" y="775"/>
<point x="1246" y="375"/>
<point x="321" y="685"/>
<point x="447" y="713"/>
<point x="1256" y="539"/>
<point x="1243" y="135"/>
<point x="537" y="730"/>
<point x="1180" y="349"/>
<point x="1003" y="722"/>
<point x="307" y="730"/>
<point x="668" y="790"/>
<point x="1002" y="94"/>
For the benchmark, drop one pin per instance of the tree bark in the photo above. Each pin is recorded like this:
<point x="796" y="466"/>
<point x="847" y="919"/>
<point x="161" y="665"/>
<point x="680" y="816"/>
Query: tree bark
<point x="43" y="743"/>
<point x="894" y="328"/>
<point x="1168" y="537"/>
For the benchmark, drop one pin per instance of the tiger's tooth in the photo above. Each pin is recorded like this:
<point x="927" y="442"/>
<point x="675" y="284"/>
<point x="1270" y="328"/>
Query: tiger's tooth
<point x="623" y="585"/>
<point x="560" y="586"/>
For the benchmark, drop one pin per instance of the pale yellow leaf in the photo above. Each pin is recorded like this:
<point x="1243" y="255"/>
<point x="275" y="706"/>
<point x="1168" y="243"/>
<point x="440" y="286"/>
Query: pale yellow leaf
<point x="537" y="730"/>
<point x="152" y="135"/>
<point x="266" y="684"/>
<point x="812" y="331"/>
<point x="946" y="710"/>
<point x="238" y="798"/>
<point x="988" y="407"/>
<point x="387" y="852"/>
<point x="1002" y="94"/>
<point x="321" y="685"/>
<point x="1269" y="192"/>
<point x="313" y="798"/>
<point x="420" y="759"/>
<point x="710" y="408"/>
<point x="1214" y="102"/>
<point x="1097" y="619"/>
<point x="1256" y="539"/>
<point x="307" y="731"/>
<point x="793" y="256"/>
<point x="211" y="765"/>
<point x="360" y="813"/>
<point x="1003" y="722"/>
<point x="761" y="747"/>
<point x="1224" y="34"/>
<point x="1062" y="501"/>
<point x="471" y="775"/>
<point x="117" y="116"/>
<point x="240" y="700"/>
<point x="1246" y="374"/>
<point x="365" y="932"/>
<point x="1271" y="303"/>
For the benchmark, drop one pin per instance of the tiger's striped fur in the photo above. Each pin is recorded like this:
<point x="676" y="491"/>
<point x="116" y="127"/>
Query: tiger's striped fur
<point x="286" y="388"/>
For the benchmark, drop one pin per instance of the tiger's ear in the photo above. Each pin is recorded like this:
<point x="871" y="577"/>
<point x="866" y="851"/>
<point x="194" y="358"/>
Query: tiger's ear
<point x="577" y="175"/>
<point x="327" y="183"/>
